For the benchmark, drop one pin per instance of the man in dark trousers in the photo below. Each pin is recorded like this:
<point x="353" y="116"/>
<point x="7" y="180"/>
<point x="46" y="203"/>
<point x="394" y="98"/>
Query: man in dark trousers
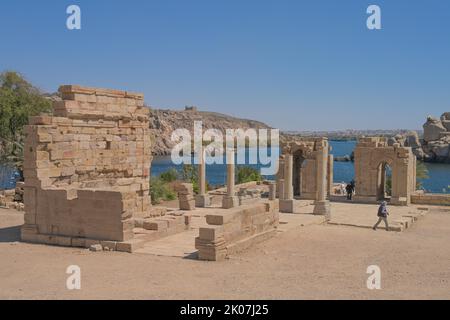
<point x="349" y="189"/>
<point x="382" y="216"/>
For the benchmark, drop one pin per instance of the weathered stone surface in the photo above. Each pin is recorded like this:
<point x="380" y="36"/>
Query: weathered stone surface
<point x="164" y="122"/>
<point x="372" y="156"/>
<point x="412" y="140"/>
<point x="439" y="148"/>
<point x="185" y="196"/>
<point x="432" y="129"/>
<point x="235" y="228"/>
<point x="202" y="201"/>
<point x="306" y="172"/>
<point x="96" y="247"/>
<point x="323" y="208"/>
<point x="87" y="168"/>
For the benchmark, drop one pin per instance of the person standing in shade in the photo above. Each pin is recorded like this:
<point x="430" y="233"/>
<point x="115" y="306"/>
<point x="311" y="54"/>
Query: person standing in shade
<point x="349" y="190"/>
<point x="382" y="216"/>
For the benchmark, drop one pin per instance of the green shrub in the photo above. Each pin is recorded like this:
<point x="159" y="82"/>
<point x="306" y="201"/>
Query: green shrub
<point x="246" y="174"/>
<point x="161" y="191"/>
<point x="189" y="174"/>
<point x="170" y="175"/>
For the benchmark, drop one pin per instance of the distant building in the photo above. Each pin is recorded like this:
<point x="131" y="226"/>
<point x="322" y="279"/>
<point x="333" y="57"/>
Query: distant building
<point x="190" y="108"/>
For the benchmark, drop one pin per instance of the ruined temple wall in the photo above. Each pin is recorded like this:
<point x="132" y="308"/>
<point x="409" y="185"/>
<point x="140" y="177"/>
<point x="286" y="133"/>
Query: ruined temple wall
<point x="312" y="151"/>
<point x="309" y="180"/>
<point x="87" y="167"/>
<point x="370" y="153"/>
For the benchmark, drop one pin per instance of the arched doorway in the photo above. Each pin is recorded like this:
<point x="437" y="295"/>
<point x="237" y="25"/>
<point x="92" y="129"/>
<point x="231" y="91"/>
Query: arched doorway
<point x="299" y="160"/>
<point x="384" y="181"/>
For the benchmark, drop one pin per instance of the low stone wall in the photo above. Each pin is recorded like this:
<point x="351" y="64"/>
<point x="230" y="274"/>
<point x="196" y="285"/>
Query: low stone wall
<point x="431" y="199"/>
<point x="235" y="229"/>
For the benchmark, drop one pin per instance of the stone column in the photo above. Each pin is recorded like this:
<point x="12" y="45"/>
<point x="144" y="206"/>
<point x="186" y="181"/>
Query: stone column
<point x="322" y="205"/>
<point x="280" y="189"/>
<point x="230" y="200"/>
<point x="330" y="174"/>
<point x="287" y="203"/>
<point x="280" y="177"/>
<point x="272" y="191"/>
<point x="202" y="200"/>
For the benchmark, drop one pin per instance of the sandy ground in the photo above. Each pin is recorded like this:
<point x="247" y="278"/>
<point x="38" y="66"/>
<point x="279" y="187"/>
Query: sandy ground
<point x="314" y="262"/>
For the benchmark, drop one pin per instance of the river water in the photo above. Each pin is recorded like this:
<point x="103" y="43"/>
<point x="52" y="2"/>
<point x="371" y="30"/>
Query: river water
<point x="438" y="181"/>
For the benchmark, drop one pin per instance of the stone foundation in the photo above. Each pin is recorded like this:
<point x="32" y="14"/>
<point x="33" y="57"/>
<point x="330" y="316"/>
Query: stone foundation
<point x="235" y="229"/>
<point x="431" y="199"/>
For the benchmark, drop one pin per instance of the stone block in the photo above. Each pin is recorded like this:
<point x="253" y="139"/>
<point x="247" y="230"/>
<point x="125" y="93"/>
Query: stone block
<point x="96" y="248"/>
<point x="157" y="225"/>
<point x="286" y="206"/>
<point x="212" y="233"/>
<point x="111" y="245"/>
<point x="230" y="202"/>
<point x="202" y="201"/>
<point x="322" y="208"/>
<point x="130" y="245"/>
<point x="187" y="205"/>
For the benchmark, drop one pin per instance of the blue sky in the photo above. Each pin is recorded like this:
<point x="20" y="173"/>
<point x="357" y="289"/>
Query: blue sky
<point x="296" y="65"/>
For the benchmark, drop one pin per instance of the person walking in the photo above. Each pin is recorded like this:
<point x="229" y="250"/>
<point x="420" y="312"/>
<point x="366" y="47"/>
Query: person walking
<point x="349" y="190"/>
<point x="382" y="216"/>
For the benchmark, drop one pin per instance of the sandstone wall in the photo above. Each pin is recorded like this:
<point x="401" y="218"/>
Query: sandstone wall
<point x="431" y="199"/>
<point x="370" y="154"/>
<point x="87" y="167"/>
<point x="235" y="229"/>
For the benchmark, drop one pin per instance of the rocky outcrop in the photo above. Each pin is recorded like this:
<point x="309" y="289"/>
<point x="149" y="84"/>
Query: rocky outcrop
<point x="445" y="119"/>
<point x="436" y="139"/>
<point x="164" y="122"/>
<point x="435" y="145"/>
<point x="433" y="129"/>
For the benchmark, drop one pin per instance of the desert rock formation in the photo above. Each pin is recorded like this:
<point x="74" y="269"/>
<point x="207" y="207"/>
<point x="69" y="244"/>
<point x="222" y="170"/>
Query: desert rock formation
<point x="435" y="144"/>
<point x="164" y="122"/>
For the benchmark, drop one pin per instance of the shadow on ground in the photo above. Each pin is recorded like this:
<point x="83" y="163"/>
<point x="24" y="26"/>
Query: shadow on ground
<point x="10" y="234"/>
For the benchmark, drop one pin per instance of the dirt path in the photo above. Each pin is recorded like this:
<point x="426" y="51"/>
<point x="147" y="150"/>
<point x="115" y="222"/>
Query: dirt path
<point x="319" y="261"/>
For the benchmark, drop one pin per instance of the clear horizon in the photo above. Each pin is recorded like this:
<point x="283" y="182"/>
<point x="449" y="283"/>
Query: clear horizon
<point x="294" y="65"/>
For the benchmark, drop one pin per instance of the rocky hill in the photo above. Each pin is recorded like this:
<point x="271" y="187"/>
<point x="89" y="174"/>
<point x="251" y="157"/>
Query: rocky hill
<point x="164" y="122"/>
<point x="435" y="144"/>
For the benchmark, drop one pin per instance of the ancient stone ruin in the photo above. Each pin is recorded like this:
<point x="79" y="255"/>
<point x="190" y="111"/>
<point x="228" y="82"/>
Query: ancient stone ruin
<point x="87" y="171"/>
<point x="306" y="172"/>
<point x="235" y="229"/>
<point x="373" y="156"/>
<point x="87" y="180"/>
